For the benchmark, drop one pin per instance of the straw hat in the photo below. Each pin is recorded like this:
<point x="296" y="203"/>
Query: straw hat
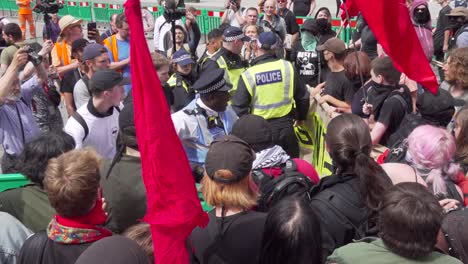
<point x="67" y="21"/>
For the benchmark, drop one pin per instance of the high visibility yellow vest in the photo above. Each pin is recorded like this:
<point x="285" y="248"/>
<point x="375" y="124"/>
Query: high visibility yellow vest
<point x="271" y="86"/>
<point x="111" y="44"/>
<point x="230" y="75"/>
<point x="172" y="82"/>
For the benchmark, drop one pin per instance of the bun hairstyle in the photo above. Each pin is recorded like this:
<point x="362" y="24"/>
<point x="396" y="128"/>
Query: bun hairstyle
<point x="350" y="144"/>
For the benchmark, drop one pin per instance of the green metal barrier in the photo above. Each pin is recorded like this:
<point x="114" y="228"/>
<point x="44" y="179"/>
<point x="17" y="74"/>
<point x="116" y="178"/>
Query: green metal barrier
<point x="85" y="12"/>
<point x="13" y="8"/>
<point x="73" y="8"/>
<point x="101" y="13"/>
<point x="114" y="9"/>
<point x="10" y="181"/>
<point x="64" y="10"/>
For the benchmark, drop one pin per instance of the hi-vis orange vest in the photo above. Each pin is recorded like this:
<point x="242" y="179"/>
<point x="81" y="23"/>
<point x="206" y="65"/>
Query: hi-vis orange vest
<point x="112" y="46"/>
<point x="62" y="52"/>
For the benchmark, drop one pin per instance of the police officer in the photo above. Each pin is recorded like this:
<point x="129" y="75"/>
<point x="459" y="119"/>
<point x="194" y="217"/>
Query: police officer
<point x="228" y="58"/>
<point x="180" y="83"/>
<point x="205" y="118"/>
<point x="270" y="89"/>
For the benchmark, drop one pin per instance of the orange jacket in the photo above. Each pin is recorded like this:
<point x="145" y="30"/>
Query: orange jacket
<point x="24" y="7"/>
<point x="111" y="44"/>
<point x="62" y="52"/>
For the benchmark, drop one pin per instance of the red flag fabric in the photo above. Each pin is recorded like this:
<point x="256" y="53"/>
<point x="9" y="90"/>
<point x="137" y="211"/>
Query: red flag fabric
<point x="351" y="8"/>
<point x="173" y="205"/>
<point x="390" y="22"/>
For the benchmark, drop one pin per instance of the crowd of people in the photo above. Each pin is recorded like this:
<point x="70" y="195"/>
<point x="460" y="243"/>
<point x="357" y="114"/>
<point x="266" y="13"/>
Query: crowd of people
<point x="235" y="108"/>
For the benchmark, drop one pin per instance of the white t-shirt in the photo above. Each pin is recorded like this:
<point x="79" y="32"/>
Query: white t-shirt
<point x="81" y="94"/>
<point x="159" y="34"/>
<point x="103" y="130"/>
<point x="231" y="17"/>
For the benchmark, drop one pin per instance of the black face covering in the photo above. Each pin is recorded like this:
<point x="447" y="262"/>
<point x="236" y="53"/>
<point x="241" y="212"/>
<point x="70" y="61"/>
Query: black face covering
<point x="455" y="24"/>
<point x="422" y="17"/>
<point x="323" y="26"/>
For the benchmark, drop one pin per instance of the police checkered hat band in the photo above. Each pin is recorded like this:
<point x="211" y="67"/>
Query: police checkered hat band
<point x="234" y="33"/>
<point x="234" y="38"/>
<point x="182" y="58"/>
<point x="216" y="86"/>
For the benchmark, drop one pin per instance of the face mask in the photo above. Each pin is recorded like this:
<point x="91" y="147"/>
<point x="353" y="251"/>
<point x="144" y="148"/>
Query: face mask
<point x="422" y="17"/>
<point x="308" y="41"/>
<point x="323" y="25"/>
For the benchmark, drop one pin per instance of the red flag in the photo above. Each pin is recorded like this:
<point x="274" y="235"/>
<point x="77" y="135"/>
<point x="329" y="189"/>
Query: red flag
<point x="349" y="7"/>
<point x="173" y="205"/>
<point x="390" y="22"/>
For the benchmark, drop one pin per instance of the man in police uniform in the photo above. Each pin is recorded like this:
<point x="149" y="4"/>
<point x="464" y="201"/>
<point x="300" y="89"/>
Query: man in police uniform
<point x="205" y="119"/>
<point x="228" y="58"/>
<point x="269" y="89"/>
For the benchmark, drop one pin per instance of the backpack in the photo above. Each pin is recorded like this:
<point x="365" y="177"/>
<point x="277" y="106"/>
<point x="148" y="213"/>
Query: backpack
<point x="272" y="190"/>
<point x="338" y="201"/>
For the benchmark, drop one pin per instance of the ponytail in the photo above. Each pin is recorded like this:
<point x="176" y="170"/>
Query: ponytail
<point x="372" y="180"/>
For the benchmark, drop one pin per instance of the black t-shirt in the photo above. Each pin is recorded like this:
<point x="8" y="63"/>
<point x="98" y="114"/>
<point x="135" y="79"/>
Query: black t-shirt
<point x="338" y="86"/>
<point x="442" y="25"/>
<point x="306" y="63"/>
<point x="69" y="80"/>
<point x="291" y="24"/>
<point x="241" y="242"/>
<point x="368" y="43"/>
<point x="392" y="113"/>
<point x="301" y="7"/>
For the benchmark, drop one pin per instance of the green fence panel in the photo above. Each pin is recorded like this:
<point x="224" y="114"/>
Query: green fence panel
<point x="115" y="9"/>
<point x="73" y="8"/>
<point x="155" y="10"/>
<point x="10" y="181"/>
<point x="101" y="14"/>
<point x="64" y="10"/>
<point x="213" y="19"/>
<point x="85" y="12"/>
<point x="13" y="8"/>
<point x="201" y="19"/>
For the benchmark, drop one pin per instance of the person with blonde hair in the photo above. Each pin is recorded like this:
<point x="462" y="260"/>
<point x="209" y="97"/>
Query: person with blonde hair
<point x="234" y="233"/>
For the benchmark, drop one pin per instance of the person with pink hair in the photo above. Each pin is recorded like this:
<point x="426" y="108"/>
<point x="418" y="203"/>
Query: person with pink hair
<point x="431" y="153"/>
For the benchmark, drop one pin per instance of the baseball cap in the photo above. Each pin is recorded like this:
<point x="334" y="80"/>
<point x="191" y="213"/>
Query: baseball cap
<point x="267" y="40"/>
<point x="334" y="45"/>
<point x="310" y="25"/>
<point x="437" y="109"/>
<point x="229" y="153"/>
<point x="182" y="57"/>
<point x="254" y="130"/>
<point x="92" y="50"/>
<point x="105" y="80"/>
<point x="459" y="12"/>
<point x="234" y="33"/>
<point x="211" y="81"/>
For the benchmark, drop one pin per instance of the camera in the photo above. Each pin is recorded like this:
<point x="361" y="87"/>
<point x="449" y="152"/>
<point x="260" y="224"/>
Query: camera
<point x="48" y="6"/>
<point x="174" y="14"/>
<point x="171" y="12"/>
<point x="34" y="57"/>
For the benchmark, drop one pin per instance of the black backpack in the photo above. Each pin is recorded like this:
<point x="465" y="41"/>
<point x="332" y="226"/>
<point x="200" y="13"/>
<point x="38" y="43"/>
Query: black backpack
<point x="290" y="182"/>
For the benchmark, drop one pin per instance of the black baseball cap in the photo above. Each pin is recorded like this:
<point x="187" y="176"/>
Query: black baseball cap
<point x="254" y="130"/>
<point x="106" y="79"/>
<point x="229" y="153"/>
